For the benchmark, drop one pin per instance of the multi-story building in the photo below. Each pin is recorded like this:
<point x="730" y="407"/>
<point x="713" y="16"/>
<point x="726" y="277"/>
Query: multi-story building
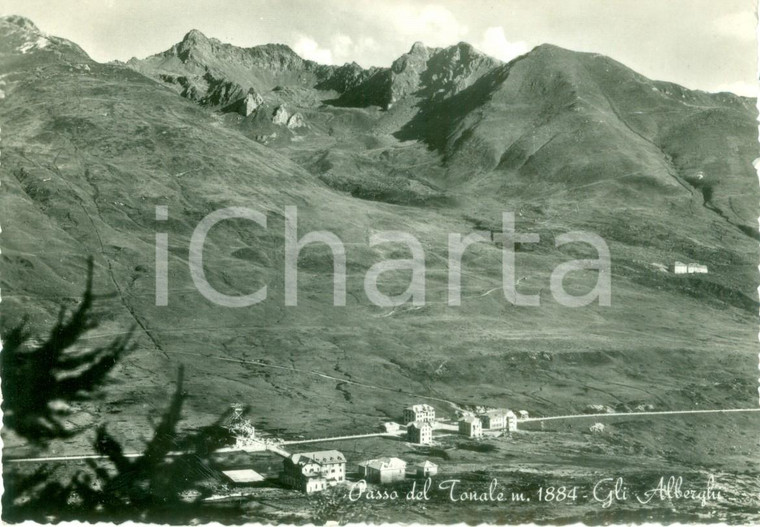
<point x="419" y="412"/>
<point x="314" y="471"/>
<point x="494" y="420"/>
<point x="420" y="432"/>
<point x="471" y="426"/>
<point x="499" y="419"/>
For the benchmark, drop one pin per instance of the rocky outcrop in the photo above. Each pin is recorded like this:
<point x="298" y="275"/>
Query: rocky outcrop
<point x="250" y="103"/>
<point x="280" y="115"/>
<point x="283" y="117"/>
<point x="596" y="428"/>
<point x="221" y="92"/>
<point x="214" y="92"/>
<point x="296" y="121"/>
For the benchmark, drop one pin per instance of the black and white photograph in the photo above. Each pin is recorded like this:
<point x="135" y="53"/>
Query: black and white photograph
<point x="340" y="262"/>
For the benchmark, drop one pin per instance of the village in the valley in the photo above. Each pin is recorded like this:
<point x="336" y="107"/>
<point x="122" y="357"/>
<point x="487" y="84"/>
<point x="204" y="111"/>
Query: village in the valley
<point x="314" y="471"/>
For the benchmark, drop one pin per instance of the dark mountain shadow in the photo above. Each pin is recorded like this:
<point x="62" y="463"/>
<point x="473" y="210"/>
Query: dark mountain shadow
<point x="435" y="119"/>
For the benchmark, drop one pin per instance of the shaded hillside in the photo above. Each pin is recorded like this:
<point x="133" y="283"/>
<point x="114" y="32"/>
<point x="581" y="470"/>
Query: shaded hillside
<point x="579" y="119"/>
<point x="90" y="150"/>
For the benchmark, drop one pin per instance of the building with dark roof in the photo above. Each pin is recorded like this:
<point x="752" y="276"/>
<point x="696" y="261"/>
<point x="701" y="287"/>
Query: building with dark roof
<point x="314" y="471"/>
<point x="420" y="432"/>
<point x="419" y="412"/>
<point x="471" y="426"/>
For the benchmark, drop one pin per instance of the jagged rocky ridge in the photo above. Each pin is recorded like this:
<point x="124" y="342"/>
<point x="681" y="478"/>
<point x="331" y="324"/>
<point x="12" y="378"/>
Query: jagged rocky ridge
<point x="480" y="114"/>
<point x="220" y="75"/>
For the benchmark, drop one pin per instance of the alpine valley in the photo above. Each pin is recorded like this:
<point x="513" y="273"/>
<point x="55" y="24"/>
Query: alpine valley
<point x="442" y="141"/>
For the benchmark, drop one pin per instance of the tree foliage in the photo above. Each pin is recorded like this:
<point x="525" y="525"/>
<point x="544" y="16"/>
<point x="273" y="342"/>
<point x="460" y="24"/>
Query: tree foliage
<point x="162" y="479"/>
<point x="38" y="380"/>
<point x="57" y="370"/>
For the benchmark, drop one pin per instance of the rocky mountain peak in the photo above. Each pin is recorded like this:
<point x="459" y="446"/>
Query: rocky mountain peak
<point x="20" y="35"/>
<point x="414" y="60"/>
<point x="194" y="36"/>
<point x="440" y="72"/>
<point x="193" y="43"/>
<point x="418" y="48"/>
<point x="462" y="56"/>
<point x="21" y="22"/>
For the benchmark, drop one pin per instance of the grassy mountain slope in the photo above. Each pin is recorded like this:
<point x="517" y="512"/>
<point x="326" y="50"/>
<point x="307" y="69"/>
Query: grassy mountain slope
<point x="90" y="150"/>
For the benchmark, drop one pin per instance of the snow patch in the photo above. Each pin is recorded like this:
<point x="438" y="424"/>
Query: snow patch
<point x="40" y="43"/>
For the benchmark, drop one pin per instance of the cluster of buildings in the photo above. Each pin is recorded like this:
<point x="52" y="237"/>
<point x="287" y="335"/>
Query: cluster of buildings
<point x="419" y="419"/>
<point x="690" y="268"/>
<point x="312" y="472"/>
<point x="499" y="419"/>
<point x="421" y="422"/>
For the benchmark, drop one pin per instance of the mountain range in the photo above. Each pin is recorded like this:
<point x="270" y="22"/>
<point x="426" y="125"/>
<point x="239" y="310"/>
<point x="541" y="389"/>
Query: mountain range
<point x="442" y="141"/>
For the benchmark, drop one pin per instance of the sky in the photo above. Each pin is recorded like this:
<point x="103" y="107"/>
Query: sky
<point x="701" y="44"/>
